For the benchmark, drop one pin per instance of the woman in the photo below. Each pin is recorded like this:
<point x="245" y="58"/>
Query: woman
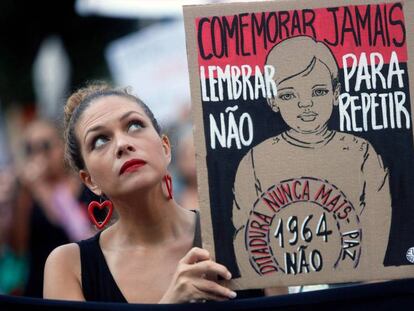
<point x="148" y="255"/>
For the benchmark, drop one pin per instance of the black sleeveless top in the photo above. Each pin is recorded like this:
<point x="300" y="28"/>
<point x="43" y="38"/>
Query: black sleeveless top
<point x="98" y="283"/>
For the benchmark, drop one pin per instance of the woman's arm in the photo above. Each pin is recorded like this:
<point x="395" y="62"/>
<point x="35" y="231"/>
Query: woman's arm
<point x="62" y="276"/>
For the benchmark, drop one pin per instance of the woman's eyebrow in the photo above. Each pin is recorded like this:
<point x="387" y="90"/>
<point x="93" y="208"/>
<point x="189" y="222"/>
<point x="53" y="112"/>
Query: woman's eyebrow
<point x="100" y="127"/>
<point x="127" y="114"/>
<point x="93" y="129"/>
<point x="317" y="85"/>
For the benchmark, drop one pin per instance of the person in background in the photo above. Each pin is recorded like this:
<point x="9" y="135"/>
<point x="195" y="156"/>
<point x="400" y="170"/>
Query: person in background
<point x="50" y="206"/>
<point x="13" y="267"/>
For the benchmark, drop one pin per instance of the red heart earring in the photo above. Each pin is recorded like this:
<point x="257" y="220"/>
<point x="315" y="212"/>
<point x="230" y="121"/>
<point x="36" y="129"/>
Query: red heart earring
<point x="168" y="184"/>
<point x="96" y="204"/>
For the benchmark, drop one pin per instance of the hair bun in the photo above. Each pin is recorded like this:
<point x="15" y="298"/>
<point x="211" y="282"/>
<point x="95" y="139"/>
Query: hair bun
<point x="79" y="96"/>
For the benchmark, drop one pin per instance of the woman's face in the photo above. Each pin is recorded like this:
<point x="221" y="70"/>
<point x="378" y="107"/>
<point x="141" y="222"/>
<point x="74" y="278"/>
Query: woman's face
<point x="306" y="101"/>
<point x="121" y="149"/>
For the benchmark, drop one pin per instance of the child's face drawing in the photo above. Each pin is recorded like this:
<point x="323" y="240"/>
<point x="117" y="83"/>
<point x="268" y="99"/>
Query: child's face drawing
<point x="306" y="101"/>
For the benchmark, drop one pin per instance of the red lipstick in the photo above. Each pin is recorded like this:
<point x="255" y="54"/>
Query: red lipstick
<point x="131" y="165"/>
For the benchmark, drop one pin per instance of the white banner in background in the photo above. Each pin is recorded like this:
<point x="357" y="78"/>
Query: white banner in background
<point x="153" y="62"/>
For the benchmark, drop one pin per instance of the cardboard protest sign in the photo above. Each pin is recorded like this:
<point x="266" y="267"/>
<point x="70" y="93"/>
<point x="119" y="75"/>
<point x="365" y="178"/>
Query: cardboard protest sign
<point x="304" y="139"/>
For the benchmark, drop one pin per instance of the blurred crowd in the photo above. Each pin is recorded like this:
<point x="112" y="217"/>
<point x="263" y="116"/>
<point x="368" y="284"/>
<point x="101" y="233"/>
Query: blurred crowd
<point x="43" y="203"/>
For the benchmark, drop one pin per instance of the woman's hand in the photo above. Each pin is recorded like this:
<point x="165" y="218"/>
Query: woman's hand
<point x="195" y="278"/>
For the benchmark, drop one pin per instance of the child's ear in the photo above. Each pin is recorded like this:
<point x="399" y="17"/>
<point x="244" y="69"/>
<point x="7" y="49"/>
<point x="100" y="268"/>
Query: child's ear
<point x="272" y="103"/>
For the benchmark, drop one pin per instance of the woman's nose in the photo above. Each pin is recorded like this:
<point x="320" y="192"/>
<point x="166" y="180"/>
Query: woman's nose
<point x="305" y="103"/>
<point x="124" y="146"/>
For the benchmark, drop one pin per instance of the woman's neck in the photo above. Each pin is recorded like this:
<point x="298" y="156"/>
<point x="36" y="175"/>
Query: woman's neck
<point x="149" y="218"/>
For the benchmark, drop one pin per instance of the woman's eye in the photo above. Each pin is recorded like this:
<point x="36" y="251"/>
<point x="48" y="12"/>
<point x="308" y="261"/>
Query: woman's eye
<point x="287" y="96"/>
<point x="319" y="92"/>
<point x="134" y="126"/>
<point x="99" y="142"/>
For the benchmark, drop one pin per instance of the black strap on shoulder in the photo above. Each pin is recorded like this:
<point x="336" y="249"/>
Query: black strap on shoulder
<point x="98" y="283"/>
<point x="88" y="259"/>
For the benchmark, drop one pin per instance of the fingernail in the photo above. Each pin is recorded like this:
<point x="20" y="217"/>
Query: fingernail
<point x="228" y="276"/>
<point x="233" y="295"/>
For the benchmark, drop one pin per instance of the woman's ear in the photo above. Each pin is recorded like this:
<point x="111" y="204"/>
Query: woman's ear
<point x="272" y="103"/>
<point x="166" y="145"/>
<point x="88" y="181"/>
<point x="336" y="94"/>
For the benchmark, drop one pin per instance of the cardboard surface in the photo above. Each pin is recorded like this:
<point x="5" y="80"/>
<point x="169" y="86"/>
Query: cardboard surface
<point x="304" y="139"/>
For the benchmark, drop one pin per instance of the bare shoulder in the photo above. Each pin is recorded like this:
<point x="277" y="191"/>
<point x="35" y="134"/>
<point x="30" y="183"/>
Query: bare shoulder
<point x="62" y="274"/>
<point x="67" y="255"/>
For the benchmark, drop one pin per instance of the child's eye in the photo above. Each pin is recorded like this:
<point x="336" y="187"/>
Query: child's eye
<point x="319" y="92"/>
<point x="99" y="141"/>
<point x="287" y="96"/>
<point x="134" y="126"/>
